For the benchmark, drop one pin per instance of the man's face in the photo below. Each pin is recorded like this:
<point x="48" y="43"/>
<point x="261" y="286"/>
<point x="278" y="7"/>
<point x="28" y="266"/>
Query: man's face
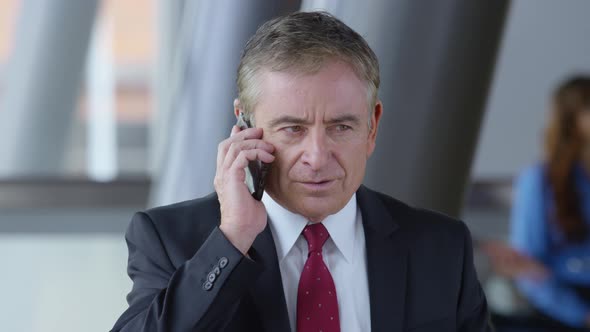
<point x="318" y="124"/>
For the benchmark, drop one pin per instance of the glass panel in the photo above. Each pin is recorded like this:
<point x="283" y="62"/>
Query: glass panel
<point x="129" y="46"/>
<point x="8" y="15"/>
<point x="65" y="283"/>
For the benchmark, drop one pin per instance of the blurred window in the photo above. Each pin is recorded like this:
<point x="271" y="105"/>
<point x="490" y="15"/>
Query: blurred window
<point x="8" y="14"/>
<point x="124" y="45"/>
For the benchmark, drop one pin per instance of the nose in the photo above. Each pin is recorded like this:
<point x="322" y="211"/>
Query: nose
<point x="316" y="153"/>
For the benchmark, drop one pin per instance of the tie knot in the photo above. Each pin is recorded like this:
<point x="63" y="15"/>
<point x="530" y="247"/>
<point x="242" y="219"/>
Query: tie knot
<point x="315" y="235"/>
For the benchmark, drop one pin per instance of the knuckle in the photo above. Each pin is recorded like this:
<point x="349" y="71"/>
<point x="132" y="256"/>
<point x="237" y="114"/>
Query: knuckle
<point x="241" y="155"/>
<point x="221" y="146"/>
<point x="234" y="146"/>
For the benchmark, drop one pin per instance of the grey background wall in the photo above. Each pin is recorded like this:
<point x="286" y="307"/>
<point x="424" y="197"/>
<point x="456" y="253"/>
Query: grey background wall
<point x="544" y="41"/>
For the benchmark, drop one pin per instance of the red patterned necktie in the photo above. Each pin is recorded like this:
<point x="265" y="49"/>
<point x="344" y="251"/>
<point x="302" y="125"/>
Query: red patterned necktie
<point x="317" y="305"/>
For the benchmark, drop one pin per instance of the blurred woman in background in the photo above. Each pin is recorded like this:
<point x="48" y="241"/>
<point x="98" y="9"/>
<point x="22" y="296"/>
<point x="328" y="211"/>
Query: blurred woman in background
<point x="551" y="212"/>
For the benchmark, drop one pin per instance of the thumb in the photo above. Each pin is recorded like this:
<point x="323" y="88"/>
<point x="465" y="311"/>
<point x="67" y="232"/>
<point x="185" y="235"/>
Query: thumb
<point x="234" y="130"/>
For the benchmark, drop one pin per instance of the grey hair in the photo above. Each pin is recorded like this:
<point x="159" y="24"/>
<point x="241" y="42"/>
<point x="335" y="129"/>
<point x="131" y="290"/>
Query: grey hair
<point x="304" y="41"/>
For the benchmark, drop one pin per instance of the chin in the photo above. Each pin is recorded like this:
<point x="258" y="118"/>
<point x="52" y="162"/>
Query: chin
<point x="315" y="208"/>
<point x="309" y="203"/>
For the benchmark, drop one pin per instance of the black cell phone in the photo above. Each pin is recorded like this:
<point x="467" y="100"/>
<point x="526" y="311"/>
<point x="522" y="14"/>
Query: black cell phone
<point x="256" y="170"/>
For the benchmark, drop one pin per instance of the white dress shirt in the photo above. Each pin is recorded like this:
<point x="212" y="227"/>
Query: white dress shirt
<point x="344" y="254"/>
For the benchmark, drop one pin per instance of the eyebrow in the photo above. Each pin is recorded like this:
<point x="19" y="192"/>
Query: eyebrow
<point x="351" y="118"/>
<point x="289" y="119"/>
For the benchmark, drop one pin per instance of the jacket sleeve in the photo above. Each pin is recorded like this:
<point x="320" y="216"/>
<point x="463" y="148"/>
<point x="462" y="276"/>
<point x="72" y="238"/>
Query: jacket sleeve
<point x="472" y="312"/>
<point x="530" y="235"/>
<point x="195" y="296"/>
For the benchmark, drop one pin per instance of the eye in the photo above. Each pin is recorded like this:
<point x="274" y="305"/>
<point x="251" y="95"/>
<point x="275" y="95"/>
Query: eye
<point x="342" y="127"/>
<point x="294" y="129"/>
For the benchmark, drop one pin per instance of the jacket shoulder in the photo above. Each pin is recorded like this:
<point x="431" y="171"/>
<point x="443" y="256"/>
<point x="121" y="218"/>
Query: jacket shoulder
<point x="206" y="206"/>
<point x="181" y="227"/>
<point x="436" y="241"/>
<point x="421" y="220"/>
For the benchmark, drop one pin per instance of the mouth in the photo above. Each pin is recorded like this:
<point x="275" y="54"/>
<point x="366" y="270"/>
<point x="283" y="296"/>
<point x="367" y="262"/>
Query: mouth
<point x="318" y="185"/>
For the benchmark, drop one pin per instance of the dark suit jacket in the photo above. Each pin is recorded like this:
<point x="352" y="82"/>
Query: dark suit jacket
<point x="188" y="277"/>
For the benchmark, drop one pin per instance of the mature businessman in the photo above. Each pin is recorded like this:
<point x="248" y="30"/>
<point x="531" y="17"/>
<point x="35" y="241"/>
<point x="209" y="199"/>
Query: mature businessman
<point x="320" y="252"/>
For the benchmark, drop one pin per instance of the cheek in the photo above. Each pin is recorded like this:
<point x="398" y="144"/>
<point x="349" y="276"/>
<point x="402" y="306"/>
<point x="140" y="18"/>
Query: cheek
<point x="352" y="157"/>
<point x="369" y="148"/>
<point x="285" y="158"/>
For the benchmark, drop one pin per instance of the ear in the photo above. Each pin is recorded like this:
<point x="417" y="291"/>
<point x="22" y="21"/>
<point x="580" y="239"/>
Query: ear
<point x="237" y="108"/>
<point x="375" y="117"/>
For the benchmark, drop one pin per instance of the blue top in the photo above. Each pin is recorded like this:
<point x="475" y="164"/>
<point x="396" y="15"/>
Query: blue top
<point x="534" y="234"/>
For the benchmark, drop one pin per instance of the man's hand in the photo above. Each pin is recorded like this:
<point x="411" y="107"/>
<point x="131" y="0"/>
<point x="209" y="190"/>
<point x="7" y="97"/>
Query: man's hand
<point x="242" y="217"/>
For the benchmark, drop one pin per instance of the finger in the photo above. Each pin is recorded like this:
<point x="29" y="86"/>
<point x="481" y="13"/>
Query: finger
<point x="234" y="130"/>
<point x="250" y="144"/>
<point x="221" y="151"/>
<point x="245" y="156"/>
<point x="240" y="135"/>
<point x="244" y="134"/>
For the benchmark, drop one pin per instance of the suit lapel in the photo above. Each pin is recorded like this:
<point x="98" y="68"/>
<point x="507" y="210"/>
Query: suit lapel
<point x="267" y="294"/>
<point x="387" y="256"/>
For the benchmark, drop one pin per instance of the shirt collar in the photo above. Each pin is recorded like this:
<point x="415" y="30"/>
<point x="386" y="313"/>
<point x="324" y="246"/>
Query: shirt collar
<point x="286" y="227"/>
